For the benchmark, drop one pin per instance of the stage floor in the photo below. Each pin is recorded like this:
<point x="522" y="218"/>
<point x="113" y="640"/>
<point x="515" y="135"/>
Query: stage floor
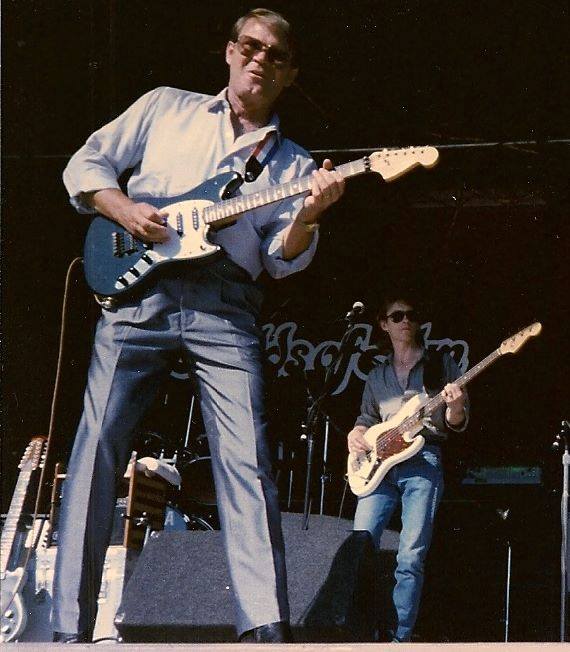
<point x="307" y="647"/>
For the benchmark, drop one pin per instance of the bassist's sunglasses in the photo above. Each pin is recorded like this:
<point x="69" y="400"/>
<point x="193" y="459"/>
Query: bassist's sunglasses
<point x="398" y="315"/>
<point x="249" y="47"/>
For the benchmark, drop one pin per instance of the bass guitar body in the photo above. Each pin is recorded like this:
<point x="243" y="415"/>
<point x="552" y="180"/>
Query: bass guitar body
<point x="390" y="446"/>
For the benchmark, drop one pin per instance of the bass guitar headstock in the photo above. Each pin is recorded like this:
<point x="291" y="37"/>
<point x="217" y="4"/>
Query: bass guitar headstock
<point x="394" y="163"/>
<point x="513" y="344"/>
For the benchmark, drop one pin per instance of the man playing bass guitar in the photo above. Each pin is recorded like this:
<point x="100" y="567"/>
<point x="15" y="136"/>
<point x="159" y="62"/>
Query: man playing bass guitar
<point x="416" y="482"/>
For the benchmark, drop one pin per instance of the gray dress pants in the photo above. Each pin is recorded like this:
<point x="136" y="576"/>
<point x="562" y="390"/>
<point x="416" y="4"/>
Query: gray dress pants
<point x="207" y="315"/>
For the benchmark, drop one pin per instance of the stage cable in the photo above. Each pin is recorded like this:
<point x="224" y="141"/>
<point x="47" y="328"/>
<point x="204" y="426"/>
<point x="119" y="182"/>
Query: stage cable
<point x="55" y="395"/>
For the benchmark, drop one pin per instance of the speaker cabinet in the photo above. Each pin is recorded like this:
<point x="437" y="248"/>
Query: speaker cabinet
<point x="180" y="590"/>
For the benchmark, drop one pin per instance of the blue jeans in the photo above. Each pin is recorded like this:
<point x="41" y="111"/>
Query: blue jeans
<point x="418" y="484"/>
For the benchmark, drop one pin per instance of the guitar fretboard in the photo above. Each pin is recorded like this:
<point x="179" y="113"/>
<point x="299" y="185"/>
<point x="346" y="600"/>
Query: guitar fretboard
<point x="229" y="208"/>
<point x="13" y="518"/>
<point x="435" y="402"/>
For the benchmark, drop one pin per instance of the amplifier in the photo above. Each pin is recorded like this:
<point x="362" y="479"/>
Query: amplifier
<point x="506" y="475"/>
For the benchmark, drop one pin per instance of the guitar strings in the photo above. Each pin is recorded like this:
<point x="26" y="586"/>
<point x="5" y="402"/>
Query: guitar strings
<point x="433" y="403"/>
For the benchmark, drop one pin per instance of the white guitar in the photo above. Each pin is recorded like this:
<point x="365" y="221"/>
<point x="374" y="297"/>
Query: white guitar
<point x="398" y="439"/>
<point x="13" y="612"/>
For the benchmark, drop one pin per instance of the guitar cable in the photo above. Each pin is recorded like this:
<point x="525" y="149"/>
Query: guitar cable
<point x="56" y="391"/>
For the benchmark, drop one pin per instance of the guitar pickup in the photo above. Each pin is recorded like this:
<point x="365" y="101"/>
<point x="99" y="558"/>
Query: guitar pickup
<point x="180" y="224"/>
<point x="195" y="219"/>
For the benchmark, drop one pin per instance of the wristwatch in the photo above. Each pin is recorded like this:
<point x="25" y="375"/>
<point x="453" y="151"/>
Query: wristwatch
<point x="309" y="227"/>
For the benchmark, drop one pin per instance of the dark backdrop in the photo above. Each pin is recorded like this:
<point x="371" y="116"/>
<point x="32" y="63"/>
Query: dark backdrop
<point x="484" y="235"/>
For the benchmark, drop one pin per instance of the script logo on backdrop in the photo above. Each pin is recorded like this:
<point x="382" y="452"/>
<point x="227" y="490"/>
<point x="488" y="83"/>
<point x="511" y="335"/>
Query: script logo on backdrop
<point x="289" y="353"/>
<point x="285" y="351"/>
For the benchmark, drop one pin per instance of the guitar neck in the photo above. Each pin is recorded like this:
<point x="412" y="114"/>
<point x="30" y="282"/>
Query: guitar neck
<point x="13" y="518"/>
<point x="228" y="210"/>
<point x="435" y="402"/>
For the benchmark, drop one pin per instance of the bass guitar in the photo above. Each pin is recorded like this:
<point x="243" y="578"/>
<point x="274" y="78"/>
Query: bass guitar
<point x="116" y="262"/>
<point x="398" y="439"/>
<point x="13" y="612"/>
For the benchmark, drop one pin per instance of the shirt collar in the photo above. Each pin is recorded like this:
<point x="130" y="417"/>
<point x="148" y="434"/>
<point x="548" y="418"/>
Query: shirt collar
<point x="389" y="359"/>
<point x="220" y="102"/>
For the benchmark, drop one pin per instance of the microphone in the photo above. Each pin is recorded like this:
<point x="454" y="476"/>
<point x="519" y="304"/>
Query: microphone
<point x="357" y="309"/>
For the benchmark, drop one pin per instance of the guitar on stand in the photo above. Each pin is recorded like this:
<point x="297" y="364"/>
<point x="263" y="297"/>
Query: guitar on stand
<point x="13" y="611"/>
<point x="398" y="439"/>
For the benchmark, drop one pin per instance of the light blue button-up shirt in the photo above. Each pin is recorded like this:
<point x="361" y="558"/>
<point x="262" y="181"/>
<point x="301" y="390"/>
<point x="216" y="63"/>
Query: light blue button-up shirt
<point x="174" y="140"/>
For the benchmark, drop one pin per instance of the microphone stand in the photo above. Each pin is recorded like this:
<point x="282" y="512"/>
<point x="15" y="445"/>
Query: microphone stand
<point x="562" y="442"/>
<point x="315" y="410"/>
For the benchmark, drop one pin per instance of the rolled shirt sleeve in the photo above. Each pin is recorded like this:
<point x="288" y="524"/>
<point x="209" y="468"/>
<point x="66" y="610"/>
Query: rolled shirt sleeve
<point x="284" y="213"/>
<point x="272" y="244"/>
<point x="109" y="151"/>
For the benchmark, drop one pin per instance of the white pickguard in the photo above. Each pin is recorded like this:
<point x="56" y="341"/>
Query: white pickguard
<point x="192" y="243"/>
<point x="188" y="244"/>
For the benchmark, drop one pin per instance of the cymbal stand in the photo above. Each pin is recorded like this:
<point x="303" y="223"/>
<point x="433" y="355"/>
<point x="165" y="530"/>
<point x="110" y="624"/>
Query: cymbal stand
<point x="189" y="423"/>
<point x="325" y="476"/>
<point x="503" y="516"/>
<point x="561" y="443"/>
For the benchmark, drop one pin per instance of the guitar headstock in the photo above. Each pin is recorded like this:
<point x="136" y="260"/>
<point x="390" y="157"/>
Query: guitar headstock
<point x="513" y="344"/>
<point x="394" y="163"/>
<point x="34" y="454"/>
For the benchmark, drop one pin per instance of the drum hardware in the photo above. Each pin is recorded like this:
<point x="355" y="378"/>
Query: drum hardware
<point x="290" y="491"/>
<point x="315" y="409"/>
<point x="198" y="482"/>
<point x="141" y="521"/>
<point x="288" y="466"/>
<point x="325" y="475"/>
<point x="175" y="520"/>
<point x="189" y="422"/>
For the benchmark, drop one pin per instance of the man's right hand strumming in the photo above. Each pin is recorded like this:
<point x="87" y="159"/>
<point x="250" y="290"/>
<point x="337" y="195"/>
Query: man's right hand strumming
<point x="144" y="221"/>
<point x="356" y="442"/>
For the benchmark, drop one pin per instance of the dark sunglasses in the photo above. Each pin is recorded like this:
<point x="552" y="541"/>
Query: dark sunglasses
<point x="398" y="315"/>
<point x="249" y="47"/>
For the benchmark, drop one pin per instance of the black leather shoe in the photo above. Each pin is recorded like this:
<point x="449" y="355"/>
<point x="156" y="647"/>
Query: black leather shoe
<point x="66" y="637"/>
<point x="279" y="632"/>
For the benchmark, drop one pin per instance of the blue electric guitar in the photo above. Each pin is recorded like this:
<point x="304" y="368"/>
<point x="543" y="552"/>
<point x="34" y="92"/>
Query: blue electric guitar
<point x="116" y="262"/>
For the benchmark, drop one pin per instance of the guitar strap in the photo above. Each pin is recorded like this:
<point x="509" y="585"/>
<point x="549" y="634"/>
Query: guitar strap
<point x="261" y="154"/>
<point x="433" y="372"/>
